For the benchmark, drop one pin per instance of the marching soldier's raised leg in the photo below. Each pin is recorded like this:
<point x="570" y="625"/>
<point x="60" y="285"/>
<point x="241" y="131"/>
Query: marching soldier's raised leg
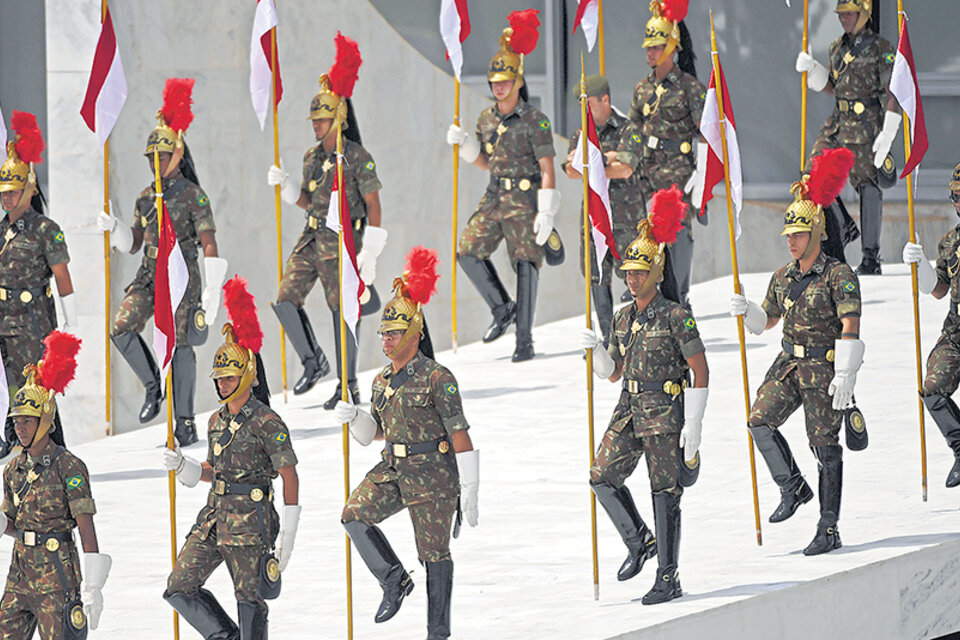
<point x="484" y="277"/>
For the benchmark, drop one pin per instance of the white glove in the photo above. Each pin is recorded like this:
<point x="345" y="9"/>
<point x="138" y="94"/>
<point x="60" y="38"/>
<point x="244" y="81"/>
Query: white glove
<point x="187" y="469"/>
<point x="697" y="181"/>
<point x="817" y="74"/>
<point x="926" y="276"/>
<point x="374" y="239"/>
<point x="694" y="404"/>
<point x="215" y="270"/>
<point x="68" y="313"/>
<point x="881" y="146"/>
<point x="289" y="189"/>
<point x="363" y="427"/>
<point x="121" y="237"/>
<point x="548" y="205"/>
<point x="288" y="534"/>
<point x="603" y="364"/>
<point x="469" y="464"/>
<point x="469" y="146"/>
<point x="3" y="523"/>
<point x="96" y="568"/>
<point x="848" y="357"/>
<point x="754" y="318"/>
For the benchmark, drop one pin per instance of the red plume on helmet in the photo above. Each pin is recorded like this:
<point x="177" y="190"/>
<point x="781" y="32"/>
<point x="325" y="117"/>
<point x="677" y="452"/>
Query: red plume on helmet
<point x="828" y="174"/>
<point x="667" y="210"/>
<point x="29" y="144"/>
<point x="177" y="100"/>
<point x="420" y="274"/>
<point x="242" y="312"/>
<point x="525" y="26"/>
<point x="59" y="364"/>
<point x="674" y="10"/>
<point x="346" y="65"/>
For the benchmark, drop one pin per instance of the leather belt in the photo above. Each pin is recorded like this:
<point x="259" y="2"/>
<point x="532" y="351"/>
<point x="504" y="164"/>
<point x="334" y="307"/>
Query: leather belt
<point x="315" y="222"/>
<point x="151" y="253"/>
<point x="509" y="184"/>
<point x="256" y="492"/>
<point x="856" y="106"/>
<point x="401" y="450"/>
<point x="51" y="541"/>
<point x="953" y="307"/>
<point x="672" y="388"/>
<point x="25" y="296"/>
<point x="807" y="353"/>
<point x="653" y="142"/>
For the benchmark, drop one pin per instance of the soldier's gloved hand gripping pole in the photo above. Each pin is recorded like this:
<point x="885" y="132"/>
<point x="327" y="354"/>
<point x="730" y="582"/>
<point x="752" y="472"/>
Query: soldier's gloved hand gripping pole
<point x="926" y="276"/>
<point x="817" y="74"/>
<point x="187" y="469"/>
<point x="363" y="427"/>
<point x="289" y="187"/>
<point x="754" y="317"/>
<point x="469" y="146"/>
<point x="603" y="364"/>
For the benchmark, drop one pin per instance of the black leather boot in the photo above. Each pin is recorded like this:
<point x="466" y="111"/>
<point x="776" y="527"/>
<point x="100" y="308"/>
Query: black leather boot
<point x="641" y="545"/>
<point x="603" y="303"/>
<point x="484" y="277"/>
<point x="439" y="588"/>
<point x="383" y="563"/>
<point x="666" y="515"/>
<point x="204" y="614"/>
<point x="830" y="463"/>
<point x="947" y="416"/>
<point x="871" y="215"/>
<point x="297" y="326"/>
<point x="140" y="358"/>
<point x="351" y="367"/>
<point x="184" y="365"/>
<point x="253" y="621"/>
<point x="794" y="490"/>
<point x="527" y="279"/>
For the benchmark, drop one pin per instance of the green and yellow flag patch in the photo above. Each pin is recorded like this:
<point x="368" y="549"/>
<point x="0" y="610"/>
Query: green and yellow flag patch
<point x="75" y="482"/>
<point x="450" y="389"/>
<point x="545" y="125"/>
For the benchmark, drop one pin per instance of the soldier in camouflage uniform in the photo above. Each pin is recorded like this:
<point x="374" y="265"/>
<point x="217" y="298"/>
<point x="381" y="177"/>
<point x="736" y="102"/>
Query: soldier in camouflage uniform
<point x="249" y="445"/>
<point x="818" y="298"/>
<point x="865" y="117"/>
<point x="943" y="363"/>
<point x="654" y="344"/>
<point x="416" y="408"/>
<point x="626" y="198"/>
<point x="46" y="494"/>
<point x="514" y="142"/>
<point x="192" y="219"/>
<point x="32" y="249"/>
<point x="315" y="255"/>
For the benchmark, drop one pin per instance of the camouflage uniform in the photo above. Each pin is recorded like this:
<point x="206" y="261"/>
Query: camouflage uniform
<point x="230" y="527"/>
<point x="34" y="595"/>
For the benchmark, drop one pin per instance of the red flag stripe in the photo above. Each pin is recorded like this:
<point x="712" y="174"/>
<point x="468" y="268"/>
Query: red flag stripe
<point x="464" y="19"/>
<point x="907" y="94"/>
<point x="265" y="42"/>
<point x="599" y="214"/>
<point x="102" y="60"/>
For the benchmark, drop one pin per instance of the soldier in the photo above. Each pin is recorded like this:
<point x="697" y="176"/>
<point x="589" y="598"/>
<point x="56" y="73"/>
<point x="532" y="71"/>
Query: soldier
<point x="626" y="199"/>
<point x="32" y="249"/>
<point x="46" y="494"/>
<point x="192" y="219"/>
<point x="416" y="408"/>
<point x="818" y="298"/>
<point x="665" y="112"/>
<point x="943" y="364"/>
<point x="316" y="252"/>
<point x="249" y="446"/>
<point x="515" y="144"/>
<point x="654" y="344"/>
<point x="858" y="77"/>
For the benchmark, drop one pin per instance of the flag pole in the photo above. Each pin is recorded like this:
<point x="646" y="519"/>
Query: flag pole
<point x="737" y="289"/>
<point x="171" y="475"/>
<point x="803" y="91"/>
<point x="276" y="200"/>
<point x="603" y="57"/>
<point x="584" y="142"/>
<point x="456" y="197"/>
<point x="107" y="398"/>
<point x="913" y="281"/>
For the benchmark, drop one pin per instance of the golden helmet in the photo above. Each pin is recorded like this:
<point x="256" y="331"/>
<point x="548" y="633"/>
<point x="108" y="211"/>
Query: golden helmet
<point x="14" y="173"/>
<point x="644" y="252"/>
<point x="411" y="291"/>
<point x="327" y="104"/>
<point x="955" y="180"/>
<point x="815" y="191"/>
<point x="243" y="338"/>
<point x="162" y="139"/>
<point x="659" y="229"/>
<point x="863" y="7"/>
<point x="173" y="119"/>
<point x="231" y="359"/>
<point x="663" y="26"/>
<point x="803" y="215"/>
<point x="506" y="63"/>
<point x="22" y="152"/>
<point x="35" y="401"/>
<point x="45" y="379"/>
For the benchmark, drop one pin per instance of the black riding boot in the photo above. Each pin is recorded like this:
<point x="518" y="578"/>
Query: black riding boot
<point x="603" y="302"/>
<point x="253" y="621"/>
<point x="297" y="326"/>
<point x="184" y="365"/>
<point x="439" y="588"/>
<point x="383" y="563"/>
<point x="830" y="462"/>
<point x="666" y="515"/>
<point x="527" y="278"/>
<point x="794" y="490"/>
<point x="484" y="277"/>
<point x="871" y="215"/>
<point x="140" y="358"/>
<point x="947" y="416"/>
<point x="204" y="614"/>
<point x="351" y="367"/>
<point x="641" y="545"/>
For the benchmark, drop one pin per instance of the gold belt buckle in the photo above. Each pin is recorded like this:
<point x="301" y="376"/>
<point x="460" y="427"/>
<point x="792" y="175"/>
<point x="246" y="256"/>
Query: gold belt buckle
<point x="672" y="389"/>
<point x="151" y="253"/>
<point x="830" y="355"/>
<point x="26" y="297"/>
<point x="685" y="147"/>
<point x="633" y="386"/>
<point x="507" y="183"/>
<point x="256" y="495"/>
<point x="3" y="294"/>
<point x="52" y="544"/>
<point x="653" y="142"/>
<point x="524" y="184"/>
<point x="858" y="107"/>
<point x="399" y="450"/>
<point x="30" y="538"/>
<point x="312" y="222"/>
<point x="843" y="105"/>
<point x="220" y="487"/>
<point x="799" y="351"/>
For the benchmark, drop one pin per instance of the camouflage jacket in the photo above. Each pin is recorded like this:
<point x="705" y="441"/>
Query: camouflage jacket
<point x="258" y="450"/>
<point x="50" y="504"/>
<point x="669" y="110"/>
<point x="948" y="272"/>
<point x="514" y="142"/>
<point x="863" y="77"/>
<point x="190" y="212"/>
<point x="653" y="345"/>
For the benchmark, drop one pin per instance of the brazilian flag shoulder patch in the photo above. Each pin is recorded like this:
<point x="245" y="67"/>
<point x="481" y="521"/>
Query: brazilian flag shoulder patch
<point x="450" y="389"/>
<point x="281" y="436"/>
<point x="75" y="482"/>
<point x="203" y="200"/>
<point x="545" y="124"/>
<point x="636" y="137"/>
<point x="849" y="286"/>
<point x="703" y="96"/>
<point x="58" y="237"/>
<point x="690" y="323"/>
<point x="890" y="58"/>
<point x="370" y="165"/>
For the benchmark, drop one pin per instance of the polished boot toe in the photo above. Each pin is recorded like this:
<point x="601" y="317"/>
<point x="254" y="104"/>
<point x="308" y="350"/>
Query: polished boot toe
<point x="826" y="539"/>
<point x="503" y="317"/>
<point x="666" y="588"/>
<point x="953" y="478"/>
<point x="790" y="500"/>
<point x="314" y="369"/>
<point x="395" y="589"/>
<point x="637" y="555"/>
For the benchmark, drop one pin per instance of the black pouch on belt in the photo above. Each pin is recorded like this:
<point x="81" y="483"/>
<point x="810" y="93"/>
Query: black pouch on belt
<point x="269" y="577"/>
<point x="855" y="429"/>
<point x="197" y="329"/>
<point x="74" y="621"/>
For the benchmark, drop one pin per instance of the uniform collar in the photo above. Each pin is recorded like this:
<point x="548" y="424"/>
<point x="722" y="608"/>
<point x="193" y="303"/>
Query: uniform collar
<point x="518" y="110"/>
<point x="410" y="367"/>
<point x="672" y="78"/>
<point x="614" y="121"/>
<point x="817" y="267"/>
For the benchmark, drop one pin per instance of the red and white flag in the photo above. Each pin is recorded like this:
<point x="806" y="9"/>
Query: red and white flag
<point x="903" y="85"/>
<point x="588" y="18"/>
<point x="601" y="219"/>
<point x="710" y="128"/>
<point x="261" y="57"/>
<point x="454" y="28"/>
<point x="352" y="287"/>
<point x="107" y="88"/>
<point x="170" y="285"/>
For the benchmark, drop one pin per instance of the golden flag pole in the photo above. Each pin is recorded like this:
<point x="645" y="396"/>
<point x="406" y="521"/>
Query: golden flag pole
<point x="171" y="475"/>
<point x="584" y="142"/>
<point x="456" y="197"/>
<point x="276" y="200"/>
<point x="603" y="57"/>
<point x="737" y="289"/>
<point x="803" y="92"/>
<point x="913" y="281"/>
<point x="107" y="398"/>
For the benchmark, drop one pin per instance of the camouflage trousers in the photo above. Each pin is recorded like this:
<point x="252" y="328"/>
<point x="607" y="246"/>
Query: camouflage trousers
<point x="863" y="171"/>
<point x="620" y="452"/>
<point x="432" y="506"/>
<point x="790" y="383"/>
<point x="315" y="256"/>
<point x="943" y="368"/>
<point x="504" y="215"/>
<point x="21" y="614"/>
<point x="200" y="555"/>
<point x="18" y="352"/>
<point x="137" y="305"/>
